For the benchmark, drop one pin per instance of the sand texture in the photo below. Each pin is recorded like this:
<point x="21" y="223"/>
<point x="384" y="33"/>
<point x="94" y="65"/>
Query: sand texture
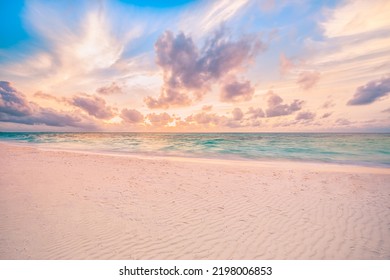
<point x="67" y="205"/>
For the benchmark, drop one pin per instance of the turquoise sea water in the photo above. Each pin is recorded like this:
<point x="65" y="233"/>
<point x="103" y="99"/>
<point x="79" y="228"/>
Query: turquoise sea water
<point x="358" y="149"/>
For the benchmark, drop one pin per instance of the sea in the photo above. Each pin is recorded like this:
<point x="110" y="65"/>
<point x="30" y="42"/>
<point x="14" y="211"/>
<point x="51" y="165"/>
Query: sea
<point x="366" y="149"/>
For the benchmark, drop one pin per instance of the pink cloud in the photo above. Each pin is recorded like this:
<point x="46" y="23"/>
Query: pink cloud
<point x="305" y="116"/>
<point x="237" y="114"/>
<point x="326" y="115"/>
<point x="95" y="106"/>
<point x="132" y="116"/>
<point x="188" y="69"/>
<point x="277" y="108"/>
<point x="207" y="108"/>
<point x="159" y="119"/>
<point x="256" y="113"/>
<point x="113" y="88"/>
<point x="308" y="79"/>
<point x="234" y="91"/>
<point x="285" y="64"/>
<point x="15" y="108"/>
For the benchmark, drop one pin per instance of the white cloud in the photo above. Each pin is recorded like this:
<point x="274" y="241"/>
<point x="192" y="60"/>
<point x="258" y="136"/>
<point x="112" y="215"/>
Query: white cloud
<point x="207" y="18"/>
<point x="357" y="16"/>
<point x="72" y="47"/>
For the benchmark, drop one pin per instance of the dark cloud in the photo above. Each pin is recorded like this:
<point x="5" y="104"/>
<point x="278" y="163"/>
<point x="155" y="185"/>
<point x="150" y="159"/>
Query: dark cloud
<point x="93" y="105"/>
<point x="237" y="114"/>
<point x="371" y="92"/>
<point x="53" y="118"/>
<point x="188" y="69"/>
<point x="306" y="116"/>
<point x="277" y="108"/>
<point x="308" y="79"/>
<point x="15" y="108"/>
<point x="47" y="117"/>
<point x="109" y="90"/>
<point x="132" y="116"/>
<point x="12" y="102"/>
<point x="234" y="91"/>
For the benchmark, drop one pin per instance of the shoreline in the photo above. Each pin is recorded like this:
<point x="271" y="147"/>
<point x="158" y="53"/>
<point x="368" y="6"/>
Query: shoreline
<point x="280" y="163"/>
<point x="67" y="205"/>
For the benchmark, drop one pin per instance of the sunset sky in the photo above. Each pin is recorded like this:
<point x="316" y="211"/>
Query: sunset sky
<point x="266" y="65"/>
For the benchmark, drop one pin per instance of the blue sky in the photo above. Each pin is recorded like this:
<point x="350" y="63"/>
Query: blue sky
<point x="12" y="30"/>
<point x="251" y="65"/>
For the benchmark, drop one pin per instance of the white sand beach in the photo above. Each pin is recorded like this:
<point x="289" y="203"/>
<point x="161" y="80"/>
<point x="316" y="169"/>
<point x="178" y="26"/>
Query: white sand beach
<point x="68" y="205"/>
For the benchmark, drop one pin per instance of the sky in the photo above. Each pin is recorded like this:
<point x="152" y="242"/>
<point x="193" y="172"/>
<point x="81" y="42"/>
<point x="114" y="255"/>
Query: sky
<point x="195" y="66"/>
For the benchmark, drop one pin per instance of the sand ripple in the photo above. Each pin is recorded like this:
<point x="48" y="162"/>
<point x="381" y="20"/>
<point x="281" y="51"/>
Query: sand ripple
<point x="62" y="205"/>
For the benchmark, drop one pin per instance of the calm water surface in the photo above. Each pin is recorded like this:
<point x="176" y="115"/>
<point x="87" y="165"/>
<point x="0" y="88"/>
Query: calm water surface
<point x="360" y="149"/>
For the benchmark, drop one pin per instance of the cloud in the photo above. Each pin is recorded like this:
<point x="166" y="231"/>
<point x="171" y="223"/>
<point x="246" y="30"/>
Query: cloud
<point x="207" y="108"/>
<point x="168" y="98"/>
<point x="204" y="118"/>
<point x="307" y="116"/>
<point x="276" y="108"/>
<point x="12" y="102"/>
<point x="343" y="122"/>
<point x="237" y="114"/>
<point x="132" y="116"/>
<point x="237" y="119"/>
<point x="234" y="91"/>
<point x="188" y="69"/>
<point x="285" y="64"/>
<point x="53" y="118"/>
<point x="371" y="92"/>
<point x="357" y="16"/>
<point x="326" y="115"/>
<point x="328" y="104"/>
<point x="93" y="105"/>
<point x="109" y="90"/>
<point x="256" y="113"/>
<point x="355" y="42"/>
<point x="64" y="52"/>
<point x="160" y="119"/>
<point x="386" y="110"/>
<point x="15" y="108"/>
<point x="308" y="79"/>
<point x="203" y="19"/>
<point x="46" y="96"/>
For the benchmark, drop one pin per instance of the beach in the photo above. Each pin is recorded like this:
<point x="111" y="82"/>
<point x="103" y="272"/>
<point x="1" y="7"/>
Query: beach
<point x="74" y="205"/>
